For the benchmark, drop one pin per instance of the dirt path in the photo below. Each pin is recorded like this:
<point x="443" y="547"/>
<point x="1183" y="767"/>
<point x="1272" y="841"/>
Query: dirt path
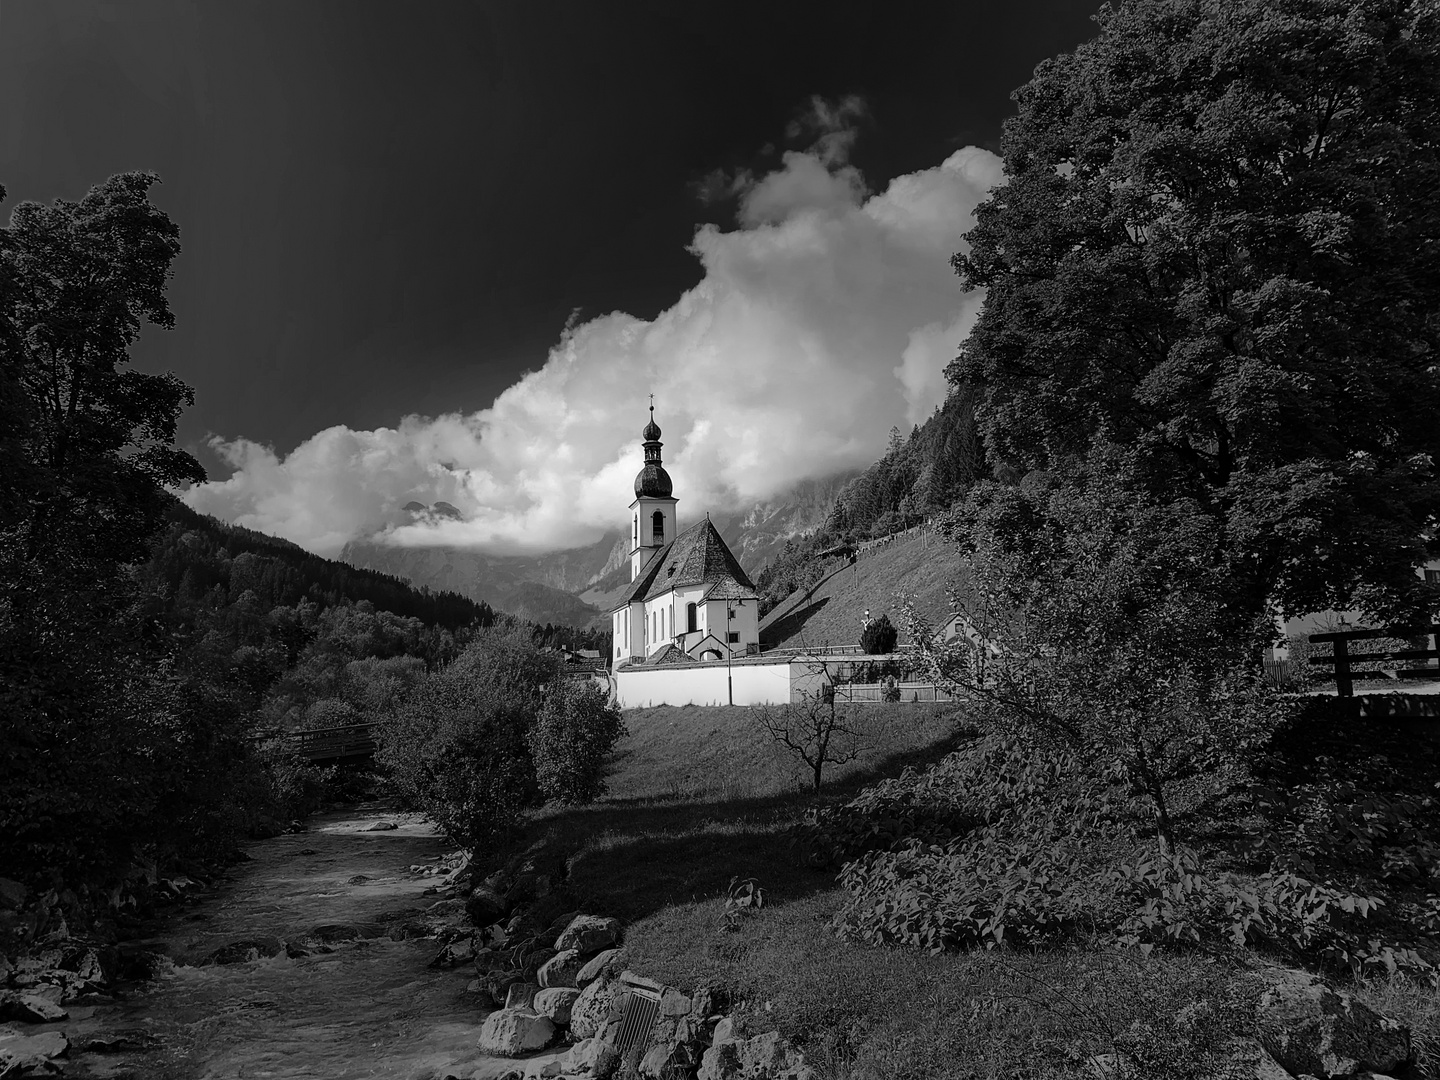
<point x="359" y="1005"/>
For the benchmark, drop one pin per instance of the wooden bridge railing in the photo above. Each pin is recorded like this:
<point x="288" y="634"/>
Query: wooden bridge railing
<point x="1344" y="660"/>
<point x="329" y="744"/>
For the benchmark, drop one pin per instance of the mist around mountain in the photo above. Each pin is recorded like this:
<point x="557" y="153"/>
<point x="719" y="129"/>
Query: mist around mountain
<point x="577" y="587"/>
<point x="512" y="585"/>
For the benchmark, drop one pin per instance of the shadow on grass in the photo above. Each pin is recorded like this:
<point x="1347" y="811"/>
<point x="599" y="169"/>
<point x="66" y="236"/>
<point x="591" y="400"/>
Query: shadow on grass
<point x="787" y="626"/>
<point x="632" y="857"/>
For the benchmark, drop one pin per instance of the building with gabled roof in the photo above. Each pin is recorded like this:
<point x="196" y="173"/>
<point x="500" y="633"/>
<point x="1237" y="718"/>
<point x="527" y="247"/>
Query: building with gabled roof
<point x="688" y="593"/>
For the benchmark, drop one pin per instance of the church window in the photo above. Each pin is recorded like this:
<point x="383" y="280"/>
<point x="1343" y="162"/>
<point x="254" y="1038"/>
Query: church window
<point x="733" y="637"/>
<point x="637" y="530"/>
<point x="657" y="520"/>
<point x="690" y="625"/>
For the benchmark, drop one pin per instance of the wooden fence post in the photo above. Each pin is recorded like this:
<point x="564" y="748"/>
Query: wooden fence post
<point x="1343" y="686"/>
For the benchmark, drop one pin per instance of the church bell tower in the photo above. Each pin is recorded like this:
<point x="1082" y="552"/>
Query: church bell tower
<point x="652" y="514"/>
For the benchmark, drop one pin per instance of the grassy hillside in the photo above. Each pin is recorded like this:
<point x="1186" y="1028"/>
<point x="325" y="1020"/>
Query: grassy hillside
<point x="920" y="566"/>
<point x="698" y="796"/>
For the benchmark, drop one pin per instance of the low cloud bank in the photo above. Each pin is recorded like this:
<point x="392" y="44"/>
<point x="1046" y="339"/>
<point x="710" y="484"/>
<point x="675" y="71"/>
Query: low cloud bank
<point x="825" y="318"/>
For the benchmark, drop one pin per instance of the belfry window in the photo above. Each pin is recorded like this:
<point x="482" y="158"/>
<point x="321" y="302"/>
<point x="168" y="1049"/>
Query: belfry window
<point x="658" y="525"/>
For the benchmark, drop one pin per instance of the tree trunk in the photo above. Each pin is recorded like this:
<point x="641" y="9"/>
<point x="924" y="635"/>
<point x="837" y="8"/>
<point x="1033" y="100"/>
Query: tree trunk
<point x="1150" y="781"/>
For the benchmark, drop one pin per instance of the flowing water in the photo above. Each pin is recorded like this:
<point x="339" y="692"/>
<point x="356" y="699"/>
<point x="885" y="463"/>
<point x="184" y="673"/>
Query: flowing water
<point x="370" y="1008"/>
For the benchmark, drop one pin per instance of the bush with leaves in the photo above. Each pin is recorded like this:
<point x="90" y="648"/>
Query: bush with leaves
<point x="457" y="746"/>
<point x="1003" y="843"/>
<point x="1090" y="627"/>
<point x="997" y="843"/>
<point x="571" y="740"/>
<point x="878" y="636"/>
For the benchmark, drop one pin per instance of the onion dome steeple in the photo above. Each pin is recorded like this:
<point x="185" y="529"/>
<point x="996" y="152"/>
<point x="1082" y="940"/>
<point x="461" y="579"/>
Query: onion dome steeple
<point x="653" y="480"/>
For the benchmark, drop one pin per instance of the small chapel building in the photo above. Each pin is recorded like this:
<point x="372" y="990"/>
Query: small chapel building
<point x="689" y="598"/>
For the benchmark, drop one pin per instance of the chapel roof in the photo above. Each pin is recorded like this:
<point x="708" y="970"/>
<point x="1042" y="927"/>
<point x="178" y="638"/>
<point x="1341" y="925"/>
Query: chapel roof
<point x="729" y="589"/>
<point x="698" y="556"/>
<point x="668" y="653"/>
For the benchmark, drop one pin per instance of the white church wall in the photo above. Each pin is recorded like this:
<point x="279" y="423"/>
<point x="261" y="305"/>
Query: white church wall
<point x="746" y="622"/>
<point x="704" y="684"/>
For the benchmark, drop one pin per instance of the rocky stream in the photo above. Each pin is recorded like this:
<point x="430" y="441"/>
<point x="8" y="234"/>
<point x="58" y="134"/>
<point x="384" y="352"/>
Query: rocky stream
<point x="313" y="960"/>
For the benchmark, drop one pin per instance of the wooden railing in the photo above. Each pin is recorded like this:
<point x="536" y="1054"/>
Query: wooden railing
<point x="909" y="691"/>
<point x="330" y="744"/>
<point x="1344" y="661"/>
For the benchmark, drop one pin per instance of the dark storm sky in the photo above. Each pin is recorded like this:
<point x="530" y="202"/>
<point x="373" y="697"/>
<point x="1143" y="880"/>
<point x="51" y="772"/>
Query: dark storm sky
<point x="390" y="208"/>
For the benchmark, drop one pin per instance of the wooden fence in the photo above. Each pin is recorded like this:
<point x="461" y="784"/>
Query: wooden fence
<point x="1344" y="661"/>
<point x="909" y="691"/>
<point x="352" y="741"/>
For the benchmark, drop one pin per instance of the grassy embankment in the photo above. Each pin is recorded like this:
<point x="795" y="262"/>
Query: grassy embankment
<point x="919" y="567"/>
<point x="699" y="796"/>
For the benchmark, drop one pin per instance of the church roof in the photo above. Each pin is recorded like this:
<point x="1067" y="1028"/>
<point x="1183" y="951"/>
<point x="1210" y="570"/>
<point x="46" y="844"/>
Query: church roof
<point x="729" y="590"/>
<point x="668" y="654"/>
<point x="698" y="556"/>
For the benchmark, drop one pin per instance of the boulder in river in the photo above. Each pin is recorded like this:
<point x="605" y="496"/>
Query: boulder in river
<point x="380" y="826"/>
<point x="591" y="1010"/>
<point x="118" y="1042"/>
<point x="521" y="995"/>
<point x="330" y="933"/>
<point x="238" y="952"/>
<point x="485" y="906"/>
<point x="12" y="894"/>
<point x="29" y="1008"/>
<point x="555" y="1002"/>
<point x="33" y="1055"/>
<point x="512" y="1032"/>
<point x="560" y="969"/>
<point x="609" y="962"/>
<point x="591" y="1057"/>
<point x="589" y="934"/>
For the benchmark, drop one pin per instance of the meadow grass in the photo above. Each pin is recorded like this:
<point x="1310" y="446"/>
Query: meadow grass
<point x="699" y="796"/>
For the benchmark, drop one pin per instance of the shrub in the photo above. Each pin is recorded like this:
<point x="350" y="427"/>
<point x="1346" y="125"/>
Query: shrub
<point x="1005" y="843"/>
<point x="457" y="746"/>
<point x="571" y="739"/>
<point x="997" y="843"/>
<point x="879" y="636"/>
<point x="456" y="749"/>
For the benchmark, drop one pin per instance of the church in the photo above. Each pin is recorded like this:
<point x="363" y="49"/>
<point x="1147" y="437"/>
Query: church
<point x="689" y="599"/>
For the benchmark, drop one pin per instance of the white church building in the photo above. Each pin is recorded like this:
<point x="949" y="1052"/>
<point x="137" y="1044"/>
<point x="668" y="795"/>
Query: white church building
<point x="689" y="597"/>
<point x="687" y="630"/>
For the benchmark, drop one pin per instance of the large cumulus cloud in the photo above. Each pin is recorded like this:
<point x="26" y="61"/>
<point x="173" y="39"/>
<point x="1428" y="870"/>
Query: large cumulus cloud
<point x="823" y="319"/>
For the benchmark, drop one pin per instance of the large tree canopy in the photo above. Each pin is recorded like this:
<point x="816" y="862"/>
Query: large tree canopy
<point x="1218" y="251"/>
<point x="90" y="437"/>
<point x="101" y="743"/>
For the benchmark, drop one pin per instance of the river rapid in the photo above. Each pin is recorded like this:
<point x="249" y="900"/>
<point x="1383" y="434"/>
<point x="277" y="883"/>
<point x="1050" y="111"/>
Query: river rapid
<point x="359" y="1005"/>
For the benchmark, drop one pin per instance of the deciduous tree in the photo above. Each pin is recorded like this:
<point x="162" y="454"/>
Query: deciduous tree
<point x="814" y="732"/>
<point x="1218" y="247"/>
